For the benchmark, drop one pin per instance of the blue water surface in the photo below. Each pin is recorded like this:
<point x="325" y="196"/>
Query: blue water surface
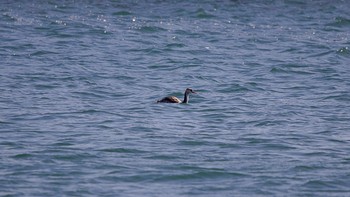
<point x="79" y="81"/>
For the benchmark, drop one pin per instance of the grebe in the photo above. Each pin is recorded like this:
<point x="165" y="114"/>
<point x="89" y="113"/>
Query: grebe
<point x="173" y="99"/>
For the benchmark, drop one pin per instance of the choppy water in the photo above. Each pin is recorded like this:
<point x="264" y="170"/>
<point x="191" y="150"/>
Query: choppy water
<point x="79" y="81"/>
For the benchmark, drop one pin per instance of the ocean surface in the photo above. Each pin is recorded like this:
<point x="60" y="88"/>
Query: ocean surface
<point x="79" y="81"/>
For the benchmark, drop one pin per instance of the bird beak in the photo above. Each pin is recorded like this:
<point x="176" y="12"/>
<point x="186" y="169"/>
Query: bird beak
<point x="194" y="92"/>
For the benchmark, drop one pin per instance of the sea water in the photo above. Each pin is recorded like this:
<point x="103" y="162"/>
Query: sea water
<point x="79" y="81"/>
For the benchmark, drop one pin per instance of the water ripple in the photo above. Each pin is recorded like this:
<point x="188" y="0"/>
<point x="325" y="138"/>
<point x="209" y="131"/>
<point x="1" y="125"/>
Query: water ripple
<point x="79" y="82"/>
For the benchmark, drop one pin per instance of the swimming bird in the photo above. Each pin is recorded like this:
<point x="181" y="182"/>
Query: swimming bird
<point x="173" y="99"/>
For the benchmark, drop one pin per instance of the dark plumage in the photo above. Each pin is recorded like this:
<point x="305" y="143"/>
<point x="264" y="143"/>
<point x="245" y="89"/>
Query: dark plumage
<point x="173" y="99"/>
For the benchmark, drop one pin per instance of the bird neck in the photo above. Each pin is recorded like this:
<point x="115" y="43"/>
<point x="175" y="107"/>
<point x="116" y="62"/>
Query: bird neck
<point x="186" y="98"/>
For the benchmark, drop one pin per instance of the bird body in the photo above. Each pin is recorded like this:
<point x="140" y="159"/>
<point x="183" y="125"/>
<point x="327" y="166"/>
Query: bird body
<point x="173" y="99"/>
<point x="170" y="99"/>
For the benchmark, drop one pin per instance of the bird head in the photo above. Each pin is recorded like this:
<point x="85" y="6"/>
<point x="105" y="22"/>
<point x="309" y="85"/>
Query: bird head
<point x="189" y="90"/>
